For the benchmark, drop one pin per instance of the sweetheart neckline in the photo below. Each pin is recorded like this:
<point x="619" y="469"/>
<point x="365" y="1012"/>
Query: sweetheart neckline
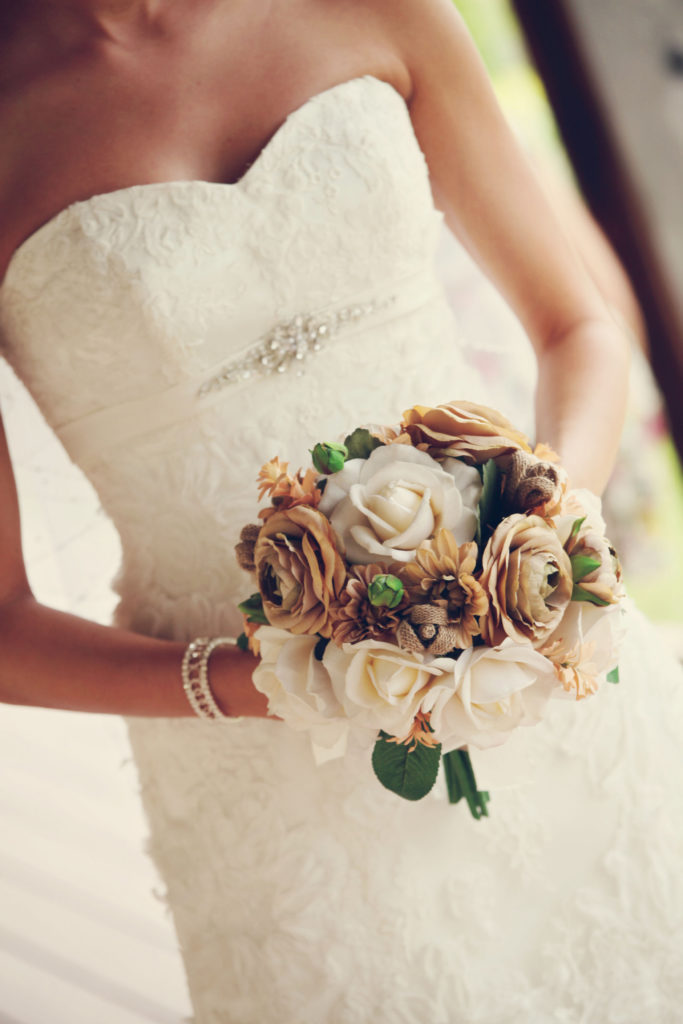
<point x="274" y="139"/>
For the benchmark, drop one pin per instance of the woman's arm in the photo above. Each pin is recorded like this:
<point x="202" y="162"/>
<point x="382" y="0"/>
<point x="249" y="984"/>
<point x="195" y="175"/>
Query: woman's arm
<point x="51" y="659"/>
<point x="495" y="206"/>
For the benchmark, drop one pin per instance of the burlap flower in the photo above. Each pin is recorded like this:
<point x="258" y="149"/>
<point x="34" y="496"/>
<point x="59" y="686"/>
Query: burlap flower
<point x="354" y="618"/>
<point x="533" y="484"/>
<point x="299" y="570"/>
<point x="443" y="574"/>
<point x="426" y="630"/>
<point x="463" y="430"/>
<point x="528" y="577"/>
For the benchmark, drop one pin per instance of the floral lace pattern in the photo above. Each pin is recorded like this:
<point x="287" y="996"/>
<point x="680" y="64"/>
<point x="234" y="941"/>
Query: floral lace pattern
<point x="304" y="894"/>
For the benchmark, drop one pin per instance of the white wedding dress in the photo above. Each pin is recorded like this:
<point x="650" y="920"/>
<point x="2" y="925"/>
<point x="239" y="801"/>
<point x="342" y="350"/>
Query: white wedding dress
<point x="307" y="894"/>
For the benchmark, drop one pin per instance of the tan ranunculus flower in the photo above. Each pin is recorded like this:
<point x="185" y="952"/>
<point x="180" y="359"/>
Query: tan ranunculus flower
<point x="528" y="577"/>
<point x="443" y="574"/>
<point x="604" y="583"/>
<point x="299" y="570"/>
<point x="463" y="430"/>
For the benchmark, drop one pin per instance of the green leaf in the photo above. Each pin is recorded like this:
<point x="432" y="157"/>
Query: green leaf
<point x="460" y="782"/>
<point x="578" y="523"/>
<point x="411" y="774"/>
<point x="361" y="444"/>
<point x="579" y="594"/>
<point x="489" y="510"/>
<point x="253" y="609"/>
<point x="242" y="642"/>
<point x="613" y="676"/>
<point x="583" y="565"/>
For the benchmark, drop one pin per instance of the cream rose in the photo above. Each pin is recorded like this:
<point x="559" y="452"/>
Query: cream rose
<point x="383" y="507"/>
<point x="298" y="686"/>
<point x="380" y="686"/>
<point x="489" y="692"/>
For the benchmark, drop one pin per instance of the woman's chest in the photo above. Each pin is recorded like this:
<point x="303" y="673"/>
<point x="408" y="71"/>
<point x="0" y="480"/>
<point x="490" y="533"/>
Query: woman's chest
<point x="199" y="109"/>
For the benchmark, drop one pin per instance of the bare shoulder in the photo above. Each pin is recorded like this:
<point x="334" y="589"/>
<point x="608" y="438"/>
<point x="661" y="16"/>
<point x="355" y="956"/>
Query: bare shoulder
<point x="405" y="15"/>
<point x="425" y="34"/>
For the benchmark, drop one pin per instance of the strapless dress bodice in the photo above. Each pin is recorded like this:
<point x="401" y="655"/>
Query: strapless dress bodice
<point x="176" y="335"/>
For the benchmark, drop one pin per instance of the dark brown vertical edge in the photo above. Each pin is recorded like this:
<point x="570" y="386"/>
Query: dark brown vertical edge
<point x="606" y="186"/>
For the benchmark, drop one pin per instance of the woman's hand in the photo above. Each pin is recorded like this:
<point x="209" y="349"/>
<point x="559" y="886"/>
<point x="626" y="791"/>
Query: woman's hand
<point x="230" y="673"/>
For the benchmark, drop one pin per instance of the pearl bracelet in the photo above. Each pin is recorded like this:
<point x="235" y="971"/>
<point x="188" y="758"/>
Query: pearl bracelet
<point x="195" y="676"/>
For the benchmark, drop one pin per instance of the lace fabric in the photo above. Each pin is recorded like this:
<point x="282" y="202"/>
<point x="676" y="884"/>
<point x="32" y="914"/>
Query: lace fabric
<point x="304" y="894"/>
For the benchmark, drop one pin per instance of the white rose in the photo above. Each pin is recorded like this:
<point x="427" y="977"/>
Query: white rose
<point x="379" y="685"/>
<point x="383" y="507"/>
<point x="490" y="691"/>
<point x="297" y="685"/>
<point x="585" y="646"/>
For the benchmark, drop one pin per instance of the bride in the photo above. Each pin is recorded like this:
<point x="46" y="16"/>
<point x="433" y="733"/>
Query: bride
<point x="179" y="178"/>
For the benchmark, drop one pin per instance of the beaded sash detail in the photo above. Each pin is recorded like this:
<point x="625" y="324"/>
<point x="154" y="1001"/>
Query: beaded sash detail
<point x="286" y="346"/>
<point x="289" y="343"/>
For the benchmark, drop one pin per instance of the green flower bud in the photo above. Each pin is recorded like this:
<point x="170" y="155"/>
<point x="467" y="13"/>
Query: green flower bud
<point x="329" y="457"/>
<point x="385" y="591"/>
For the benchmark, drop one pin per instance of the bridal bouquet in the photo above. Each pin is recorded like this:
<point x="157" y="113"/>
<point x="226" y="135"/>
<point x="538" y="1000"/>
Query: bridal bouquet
<point x="432" y="585"/>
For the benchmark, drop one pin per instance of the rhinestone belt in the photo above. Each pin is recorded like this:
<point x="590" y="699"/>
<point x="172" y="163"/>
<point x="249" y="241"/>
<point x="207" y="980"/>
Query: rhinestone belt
<point x="289" y="343"/>
<point x="285" y="347"/>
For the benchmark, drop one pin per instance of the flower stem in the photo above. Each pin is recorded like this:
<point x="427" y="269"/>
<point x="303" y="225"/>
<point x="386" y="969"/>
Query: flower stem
<point x="460" y="782"/>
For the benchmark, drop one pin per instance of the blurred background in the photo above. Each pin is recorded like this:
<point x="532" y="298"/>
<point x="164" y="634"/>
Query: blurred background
<point x="84" y="933"/>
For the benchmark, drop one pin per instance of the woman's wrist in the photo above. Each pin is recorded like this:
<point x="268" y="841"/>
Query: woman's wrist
<point x="581" y="398"/>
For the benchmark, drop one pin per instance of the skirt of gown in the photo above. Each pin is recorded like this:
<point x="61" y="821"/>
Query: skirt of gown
<point x="308" y="894"/>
